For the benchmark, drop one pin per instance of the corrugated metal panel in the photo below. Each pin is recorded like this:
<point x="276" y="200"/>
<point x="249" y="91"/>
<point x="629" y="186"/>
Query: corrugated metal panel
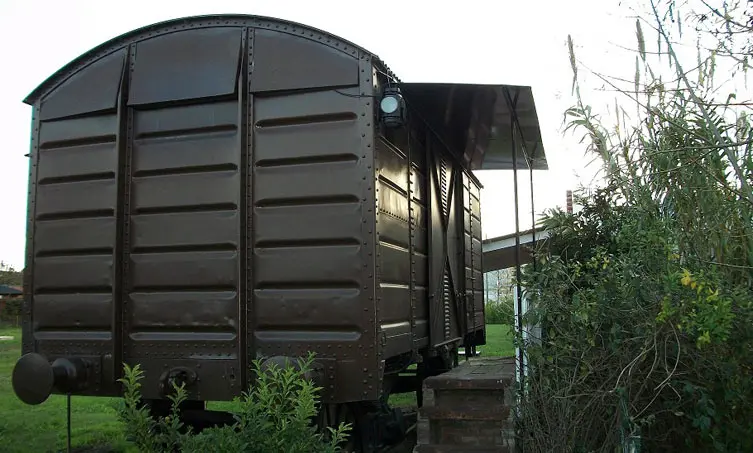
<point x="474" y="283"/>
<point x="94" y="89"/>
<point x="192" y="64"/>
<point x="75" y="201"/>
<point x="287" y="62"/>
<point x="394" y="253"/>
<point x="309" y="198"/>
<point x="182" y="284"/>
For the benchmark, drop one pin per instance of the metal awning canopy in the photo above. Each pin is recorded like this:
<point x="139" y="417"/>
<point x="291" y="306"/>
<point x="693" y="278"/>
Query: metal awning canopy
<point x="486" y="123"/>
<point x="7" y="290"/>
<point x="489" y="127"/>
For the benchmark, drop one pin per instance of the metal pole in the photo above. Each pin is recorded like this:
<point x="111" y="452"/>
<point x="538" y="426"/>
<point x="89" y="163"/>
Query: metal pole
<point x="533" y="217"/>
<point x="519" y="300"/>
<point x="532" y="250"/>
<point x="68" y="416"/>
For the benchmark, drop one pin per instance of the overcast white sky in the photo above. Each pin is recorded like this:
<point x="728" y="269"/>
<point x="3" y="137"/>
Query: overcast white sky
<point x="513" y="42"/>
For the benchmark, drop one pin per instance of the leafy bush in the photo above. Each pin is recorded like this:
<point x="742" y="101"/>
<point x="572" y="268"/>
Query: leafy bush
<point x="275" y="416"/>
<point x="635" y="343"/>
<point x="500" y="311"/>
<point x="645" y="296"/>
<point x="10" y="276"/>
<point x="10" y="307"/>
<point x="10" y="310"/>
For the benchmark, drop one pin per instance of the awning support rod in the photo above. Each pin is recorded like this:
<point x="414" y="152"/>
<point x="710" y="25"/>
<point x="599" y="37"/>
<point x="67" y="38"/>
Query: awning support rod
<point x="518" y="299"/>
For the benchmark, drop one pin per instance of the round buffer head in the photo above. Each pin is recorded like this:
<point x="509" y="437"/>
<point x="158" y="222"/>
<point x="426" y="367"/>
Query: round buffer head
<point x="33" y="378"/>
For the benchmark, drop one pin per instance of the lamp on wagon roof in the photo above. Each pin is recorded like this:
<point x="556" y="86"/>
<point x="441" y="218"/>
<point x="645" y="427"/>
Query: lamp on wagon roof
<point x="392" y="107"/>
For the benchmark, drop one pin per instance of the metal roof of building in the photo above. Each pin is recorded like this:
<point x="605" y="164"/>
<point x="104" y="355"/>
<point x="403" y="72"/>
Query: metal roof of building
<point x="7" y="290"/>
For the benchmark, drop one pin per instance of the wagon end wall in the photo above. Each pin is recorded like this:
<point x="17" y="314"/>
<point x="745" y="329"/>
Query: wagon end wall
<point x="202" y="195"/>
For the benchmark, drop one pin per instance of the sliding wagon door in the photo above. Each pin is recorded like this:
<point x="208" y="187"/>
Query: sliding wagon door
<point x="446" y="306"/>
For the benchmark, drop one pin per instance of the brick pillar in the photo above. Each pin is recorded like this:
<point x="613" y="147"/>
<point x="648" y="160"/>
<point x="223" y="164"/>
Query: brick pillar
<point x="469" y="409"/>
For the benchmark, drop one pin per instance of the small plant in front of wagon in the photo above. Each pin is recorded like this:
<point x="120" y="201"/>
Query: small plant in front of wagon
<point x="151" y="435"/>
<point x="275" y="415"/>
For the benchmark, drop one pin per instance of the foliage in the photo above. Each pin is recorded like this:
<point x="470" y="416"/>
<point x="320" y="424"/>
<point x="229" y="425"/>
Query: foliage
<point x="275" y="416"/>
<point x="150" y="434"/>
<point x="10" y="310"/>
<point x="645" y="296"/>
<point x="10" y="307"/>
<point x="500" y="311"/>
<point x="730" y="26"/>
<point x="635" y="342"/>
<point x="499" y="303"/>
<point x="10" y="276"/>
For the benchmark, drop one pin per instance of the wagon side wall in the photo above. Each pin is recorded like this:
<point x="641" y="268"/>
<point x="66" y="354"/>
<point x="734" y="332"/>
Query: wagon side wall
<point x="402" y="228"/>
<point x="429" y="288"/>
<point x="472" y="262"/>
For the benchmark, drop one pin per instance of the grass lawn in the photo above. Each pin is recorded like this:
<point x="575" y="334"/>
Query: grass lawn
<point x="498" y="342"/>
<point x="42" y="428"/>
<point x="94" y="422"/>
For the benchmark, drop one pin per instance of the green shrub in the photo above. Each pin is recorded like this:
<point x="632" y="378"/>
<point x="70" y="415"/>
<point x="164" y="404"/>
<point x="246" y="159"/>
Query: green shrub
<point x="10" y="310"/>
<point x="500" y="311"/>
<point x="635" y="343"/>
<point x="645" y="295"/>
<point x="275" y="416"/>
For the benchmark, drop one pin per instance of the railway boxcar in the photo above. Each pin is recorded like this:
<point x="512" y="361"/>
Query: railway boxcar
<point x="212" y="190"/>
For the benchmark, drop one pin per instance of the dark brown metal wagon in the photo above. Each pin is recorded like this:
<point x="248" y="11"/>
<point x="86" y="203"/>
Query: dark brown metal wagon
<point x="212" y="190"/>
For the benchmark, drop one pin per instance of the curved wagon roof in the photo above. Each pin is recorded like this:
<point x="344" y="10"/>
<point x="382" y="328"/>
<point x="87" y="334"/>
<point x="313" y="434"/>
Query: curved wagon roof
<point x="476" y="121"/>
<point x="187" y="23"/>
